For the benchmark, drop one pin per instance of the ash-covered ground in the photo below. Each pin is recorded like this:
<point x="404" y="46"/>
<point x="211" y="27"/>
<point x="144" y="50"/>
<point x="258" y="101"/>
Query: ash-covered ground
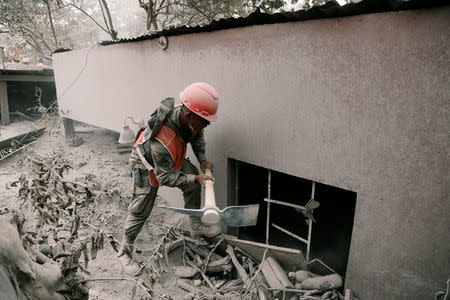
<point x="96" y="164"/>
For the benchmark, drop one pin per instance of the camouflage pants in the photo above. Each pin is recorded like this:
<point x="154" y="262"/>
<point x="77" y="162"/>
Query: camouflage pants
<point x="144" y="195"/>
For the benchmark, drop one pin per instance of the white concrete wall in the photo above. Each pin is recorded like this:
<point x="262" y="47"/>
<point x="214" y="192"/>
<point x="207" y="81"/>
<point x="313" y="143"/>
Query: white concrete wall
<point x="360" y="103"/>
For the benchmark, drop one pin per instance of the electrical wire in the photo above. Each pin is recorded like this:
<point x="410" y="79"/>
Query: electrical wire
<point x="79" y="73"/>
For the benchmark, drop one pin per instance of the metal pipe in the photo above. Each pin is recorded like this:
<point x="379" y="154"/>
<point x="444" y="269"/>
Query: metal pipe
<point x="269" y="182"/>
<point x="290" y="233"/>
<point x="308" y="245"/>
<point x="285" y="204"/>
<point x="236" y="199"/>
<point x="236" y="189"/>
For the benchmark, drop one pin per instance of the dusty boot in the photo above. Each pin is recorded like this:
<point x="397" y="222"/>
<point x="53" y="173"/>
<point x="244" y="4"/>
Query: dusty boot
<point x="199" y="229"/>
<point x="130" y="266"/>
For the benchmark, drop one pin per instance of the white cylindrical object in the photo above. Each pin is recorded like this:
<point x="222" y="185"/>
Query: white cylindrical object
<point x="210" y="216"/>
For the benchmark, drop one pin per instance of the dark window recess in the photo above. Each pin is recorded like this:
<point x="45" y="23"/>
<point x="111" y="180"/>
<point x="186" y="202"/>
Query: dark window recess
<point x="26" y="97"/>
<point x="331" y="234"/>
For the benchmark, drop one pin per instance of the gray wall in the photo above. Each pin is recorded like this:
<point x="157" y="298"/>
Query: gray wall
<point x="360" y="103"/>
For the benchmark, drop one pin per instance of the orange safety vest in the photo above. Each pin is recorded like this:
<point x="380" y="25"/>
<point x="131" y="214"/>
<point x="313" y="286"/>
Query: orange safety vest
<point x="176" y="147"/>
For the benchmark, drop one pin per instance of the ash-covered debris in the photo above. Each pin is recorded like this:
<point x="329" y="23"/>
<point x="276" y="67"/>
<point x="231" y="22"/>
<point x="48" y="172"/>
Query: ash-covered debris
<point x="218" y="270"/>
<point x="41" y="245"/>
<point x="49" y="241"/>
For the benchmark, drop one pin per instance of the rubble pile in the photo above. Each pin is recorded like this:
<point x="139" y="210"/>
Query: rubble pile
<point x="220" y="271"/>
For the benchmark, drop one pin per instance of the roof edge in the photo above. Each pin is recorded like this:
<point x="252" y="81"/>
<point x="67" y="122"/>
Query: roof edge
<point x="331" y="9"/>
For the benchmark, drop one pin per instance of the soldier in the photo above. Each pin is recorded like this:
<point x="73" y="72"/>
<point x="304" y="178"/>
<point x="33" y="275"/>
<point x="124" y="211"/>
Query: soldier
<point x="158" y="158"/>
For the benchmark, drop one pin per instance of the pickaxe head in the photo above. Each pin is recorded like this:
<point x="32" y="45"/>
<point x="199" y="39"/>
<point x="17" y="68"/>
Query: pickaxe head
<point x="234" y="216"/>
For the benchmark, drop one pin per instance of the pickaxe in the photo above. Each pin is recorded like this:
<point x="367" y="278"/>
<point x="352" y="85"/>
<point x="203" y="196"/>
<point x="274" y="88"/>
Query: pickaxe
<point x="210" y="214"/>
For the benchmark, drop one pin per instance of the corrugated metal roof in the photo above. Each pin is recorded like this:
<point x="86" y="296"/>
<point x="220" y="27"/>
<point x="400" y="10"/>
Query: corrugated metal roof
<point x="330" y="9"/>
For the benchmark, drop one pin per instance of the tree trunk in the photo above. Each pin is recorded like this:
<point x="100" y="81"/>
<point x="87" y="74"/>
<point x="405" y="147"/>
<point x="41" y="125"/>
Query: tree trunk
<point x="152" y="16"/>
<point x="49" y="10"/>
<point x="109" y="24"/>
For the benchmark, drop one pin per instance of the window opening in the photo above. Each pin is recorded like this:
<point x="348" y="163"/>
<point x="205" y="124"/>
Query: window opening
<point x="281" y="221"/>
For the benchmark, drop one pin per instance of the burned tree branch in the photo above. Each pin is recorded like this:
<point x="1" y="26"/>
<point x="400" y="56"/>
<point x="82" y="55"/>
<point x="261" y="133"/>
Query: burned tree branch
<point x="211" y="286"/>
<point x="205" y="263"/>
<point x="237" y="265"/>
<point x="157" y="248"/>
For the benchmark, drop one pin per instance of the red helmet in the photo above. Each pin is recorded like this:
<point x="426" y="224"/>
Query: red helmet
<point x="202" y="99"/>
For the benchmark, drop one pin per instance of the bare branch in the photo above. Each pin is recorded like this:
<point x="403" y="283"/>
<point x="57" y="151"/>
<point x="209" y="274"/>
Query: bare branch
<point x="105" y="11"/>
<point x="35" y="45"/>
<point x="103" y="15"/>
<point x="53" y="10"/>
<point x="31" y="33"/>
<point x="51" y="22"/>
<point x="89" y="16"/>
<point x="160" y="5"/>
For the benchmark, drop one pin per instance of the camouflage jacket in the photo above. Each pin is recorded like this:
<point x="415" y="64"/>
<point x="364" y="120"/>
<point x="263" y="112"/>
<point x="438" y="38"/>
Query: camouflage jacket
<point x="160" y="158"/>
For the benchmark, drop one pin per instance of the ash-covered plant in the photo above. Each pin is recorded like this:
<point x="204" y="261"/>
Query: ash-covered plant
<point x="52" y="203"/>
<point x="46" y="192"/>
<point x="48" y="116"/>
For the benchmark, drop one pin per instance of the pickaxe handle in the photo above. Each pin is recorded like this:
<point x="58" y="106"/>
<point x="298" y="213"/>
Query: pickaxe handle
<point x="210" y="216"/>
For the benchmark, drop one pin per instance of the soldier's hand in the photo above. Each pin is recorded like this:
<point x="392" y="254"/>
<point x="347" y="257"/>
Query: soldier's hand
<point x="202" y="178"/>
<point x="206" y="165"/>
